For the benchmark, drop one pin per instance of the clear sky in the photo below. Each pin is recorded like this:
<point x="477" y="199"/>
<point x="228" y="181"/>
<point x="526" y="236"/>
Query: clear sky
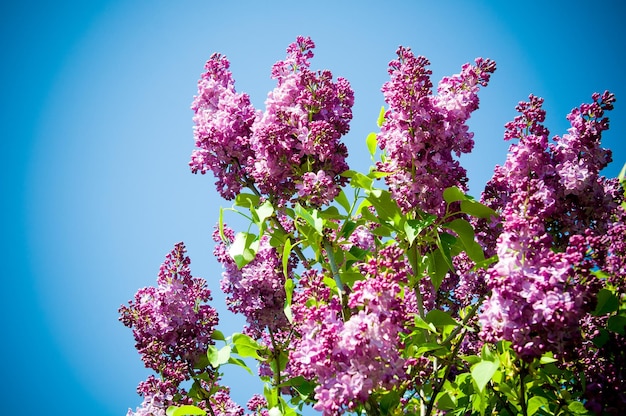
<point x="96" y="134"/>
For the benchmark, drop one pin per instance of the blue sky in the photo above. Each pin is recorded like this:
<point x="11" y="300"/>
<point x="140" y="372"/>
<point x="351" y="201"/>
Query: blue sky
<point x="97" y="132"/>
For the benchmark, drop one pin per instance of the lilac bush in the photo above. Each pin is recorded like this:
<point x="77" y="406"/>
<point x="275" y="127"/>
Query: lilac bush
<point x="411" y="297"/>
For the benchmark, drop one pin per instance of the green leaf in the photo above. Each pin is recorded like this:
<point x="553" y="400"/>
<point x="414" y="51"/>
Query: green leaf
<point x="240" y="363"/>
<point x="342" y="200"/>
<point x="453" y="194"/>
<point x="275" y="411"/>
<point x="468" y="205"/>
<point x="247" y="200"/>
<point x="446" y="401"/>
<point x="184" y="410"/>
<point x="310" y="217"/>
<point x="358" y="180"/>
<point x="547" y="358"/>
<point x="412" y="228"/>
<point x="577" y="408"/>
<point x="246" y="346"/>
<point x="476" y="209"/>
<point x="218" y="357"/>
<point x="428" y="347"/>
<point x="371" y="142"/>
<point x="263" y="212"/>
<point x="381" y="117"/>
<point x="386" y="207"/>
<point x="388" y="401"/>
<point x="483" y="372"/>
<point x="244" y="248"/>
<point x="304" y="387"/>
<point x="330" y="212"/>
<point x="438" y="266"/>
<point x="607" y="303"/>
<point x="440" y="318"/>
<point x="348" y="277"/>
<point x="289" y="285"/>
<point x="617" y="323"/>
<point x="535" y="403"/>
<point x="285" y="260"/>
<point x="217" y="335"/>
<point x="465" y="232"/>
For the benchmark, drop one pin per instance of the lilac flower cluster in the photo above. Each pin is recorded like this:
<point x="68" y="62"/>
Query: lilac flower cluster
<point x="586" y="199"/>
<point x="537" y="297"/>
<point x="293" y="147"/>
<point x="223" y="125"/>
<point x="257" y="290"/>
<point x="172" y="326"/>
<point x="297" y="140"/>
<point x="421" y="132"/>
<point x="157" y="395"/>
<point x="349" y="357"/>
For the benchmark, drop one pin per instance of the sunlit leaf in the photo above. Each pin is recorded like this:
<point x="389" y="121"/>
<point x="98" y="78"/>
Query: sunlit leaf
<point x="440" y="318"/>
<point x="381" y="116"/>
<point x="535" y="403"/>
<point x="184" y="410"/>
<point x="218" y="357"/>
<point x="246" y="346"/>
<point x="247" y="200"/>
<point x="453" y="194"/>
<point x="465" y="232"/>
<point x="372" y="142"/>
<point x="483" y="371"/>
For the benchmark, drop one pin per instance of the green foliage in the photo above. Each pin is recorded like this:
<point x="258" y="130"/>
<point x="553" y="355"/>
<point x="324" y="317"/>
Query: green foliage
<point x="184" y="411"/>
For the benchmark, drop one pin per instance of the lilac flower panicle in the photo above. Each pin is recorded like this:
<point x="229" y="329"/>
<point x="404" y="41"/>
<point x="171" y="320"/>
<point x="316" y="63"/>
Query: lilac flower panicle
<point x="257" y="290"/>
<point x="172" y="327"/>
<point x="421" y="132"/>
<point x="223" y="124"/>
<point x="349" y="359"/>
<point x="296" y="141"/>
<point x="552" y="201"/>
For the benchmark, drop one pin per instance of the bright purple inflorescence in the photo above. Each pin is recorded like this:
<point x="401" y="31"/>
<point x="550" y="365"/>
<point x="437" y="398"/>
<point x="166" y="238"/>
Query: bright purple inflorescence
<point x="172" y="326"/>
<point x="421" y="132"/>
<point x="293" y="148"/>
<point x="549" y="213"/>
<point x="223" y="124"/>
<point x="297" y="140"/>
<point x="350" y="358"/>
<point x="257" y="290"/>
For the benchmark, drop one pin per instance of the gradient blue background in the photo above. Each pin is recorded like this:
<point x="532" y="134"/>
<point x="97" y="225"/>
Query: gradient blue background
<point x="96" y="134"/>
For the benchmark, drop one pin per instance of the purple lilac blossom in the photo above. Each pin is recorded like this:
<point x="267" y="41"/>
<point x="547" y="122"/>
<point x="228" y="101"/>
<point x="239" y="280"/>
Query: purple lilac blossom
<point x="223" y="405"/>
<point x="350" y="359"/>
<point x="257" y="290"/>
<point x="421" y="132"/>
<point x="258" y="405"/>
<point x="172" y="326"/>
<point x="223" y="124"/>
<point x="157" y="395"/>
<point x="171" y="323"/>
<point x="292" y="148"/>
<point x="537" y="296"/>
<point x="296" y="141"/>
